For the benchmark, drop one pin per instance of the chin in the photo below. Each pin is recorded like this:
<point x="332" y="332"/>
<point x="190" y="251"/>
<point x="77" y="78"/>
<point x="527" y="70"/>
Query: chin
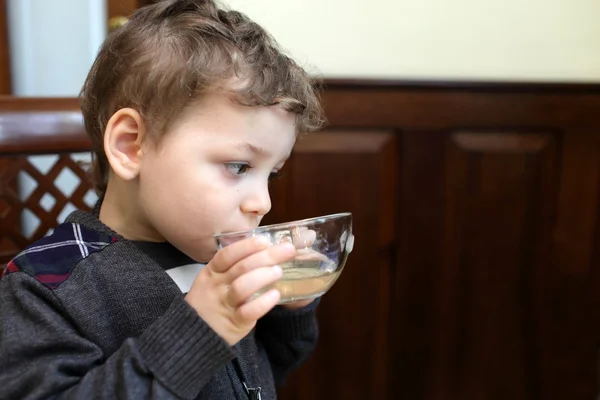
<point x="204" y="256"/>
<point x="204" y="252"/>
<point x="208" y="257"/>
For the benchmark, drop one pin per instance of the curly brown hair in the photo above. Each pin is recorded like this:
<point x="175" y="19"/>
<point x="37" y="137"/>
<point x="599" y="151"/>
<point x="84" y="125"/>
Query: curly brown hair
<point x="172" y="52"/>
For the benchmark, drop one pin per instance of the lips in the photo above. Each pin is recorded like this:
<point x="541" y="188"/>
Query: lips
<point x="243" y="229"/>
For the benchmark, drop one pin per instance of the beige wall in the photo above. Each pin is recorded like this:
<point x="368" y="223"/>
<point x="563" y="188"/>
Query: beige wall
<point x="445" y="39"/>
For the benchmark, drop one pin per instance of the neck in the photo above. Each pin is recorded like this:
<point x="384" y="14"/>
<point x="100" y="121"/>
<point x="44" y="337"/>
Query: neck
<point x="120" y="212"/>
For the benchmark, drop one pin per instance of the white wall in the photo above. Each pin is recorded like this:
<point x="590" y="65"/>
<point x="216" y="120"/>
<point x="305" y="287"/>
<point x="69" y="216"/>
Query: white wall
<point x="54" y="41"/>
<point x="540" y="40"/>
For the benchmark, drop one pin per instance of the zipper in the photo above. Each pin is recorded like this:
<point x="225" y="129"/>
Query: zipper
<point x="253" y="393"/>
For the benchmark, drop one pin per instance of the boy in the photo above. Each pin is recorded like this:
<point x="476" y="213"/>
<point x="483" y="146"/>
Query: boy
<point x="191" y="111"/>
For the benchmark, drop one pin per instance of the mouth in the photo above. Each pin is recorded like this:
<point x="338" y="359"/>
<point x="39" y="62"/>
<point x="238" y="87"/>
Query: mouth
<point x="237" y="230"/>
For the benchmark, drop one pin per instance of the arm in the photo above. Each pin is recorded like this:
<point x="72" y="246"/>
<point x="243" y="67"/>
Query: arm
<point x="43" y="356"/>
<point x="289" y="337"/>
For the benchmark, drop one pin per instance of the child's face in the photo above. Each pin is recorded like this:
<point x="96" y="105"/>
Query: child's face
<point x="210" y="173"/>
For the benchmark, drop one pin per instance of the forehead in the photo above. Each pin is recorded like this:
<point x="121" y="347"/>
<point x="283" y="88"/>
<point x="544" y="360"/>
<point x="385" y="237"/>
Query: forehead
<point x="217" y="116"/>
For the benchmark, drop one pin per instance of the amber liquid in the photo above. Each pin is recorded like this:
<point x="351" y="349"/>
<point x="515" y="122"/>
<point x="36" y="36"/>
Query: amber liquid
<point x="304" y="279"/>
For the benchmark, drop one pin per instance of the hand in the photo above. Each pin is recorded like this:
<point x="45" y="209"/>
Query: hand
<point x="303" y="237"/>
<point x="221" y="289"/>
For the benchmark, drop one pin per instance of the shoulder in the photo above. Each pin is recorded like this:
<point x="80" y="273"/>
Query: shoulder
<point x="51" y="259"/>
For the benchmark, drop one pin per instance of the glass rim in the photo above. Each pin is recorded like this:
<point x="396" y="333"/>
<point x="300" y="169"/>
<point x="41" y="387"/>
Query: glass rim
<point x="291" y="224"/>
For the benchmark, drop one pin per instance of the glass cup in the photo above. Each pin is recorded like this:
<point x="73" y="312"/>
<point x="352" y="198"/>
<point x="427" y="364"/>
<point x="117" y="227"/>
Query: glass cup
<point x="322" y="248"/>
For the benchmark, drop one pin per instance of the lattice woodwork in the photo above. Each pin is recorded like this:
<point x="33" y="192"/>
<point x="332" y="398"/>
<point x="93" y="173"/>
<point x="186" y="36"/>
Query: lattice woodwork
<point x="33" y="199"/>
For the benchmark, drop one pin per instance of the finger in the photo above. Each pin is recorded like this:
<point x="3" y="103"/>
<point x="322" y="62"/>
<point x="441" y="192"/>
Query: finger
<point x="304" y="237"/>
<point x="250" y="283"/>
<point x="232" y="254"/>
<point x="272" y="256"/>
<point x="251" y="311"/>
<point x="311" y="255"/>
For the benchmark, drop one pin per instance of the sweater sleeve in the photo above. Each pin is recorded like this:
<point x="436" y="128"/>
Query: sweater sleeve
<point x="289" y="337"/>
<point x="43" y="356"/>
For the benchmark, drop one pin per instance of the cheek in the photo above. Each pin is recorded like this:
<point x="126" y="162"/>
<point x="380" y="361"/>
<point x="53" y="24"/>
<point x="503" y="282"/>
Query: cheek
<point x="184" y="193"/>
<point x="166" y="172"/>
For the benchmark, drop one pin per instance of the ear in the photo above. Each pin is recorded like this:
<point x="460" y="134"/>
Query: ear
<point x="123" y="142"/>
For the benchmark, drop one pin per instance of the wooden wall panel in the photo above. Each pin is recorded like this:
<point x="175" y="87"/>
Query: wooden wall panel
<point x="574" y="289"/>
<point x="490" y="300"/>
<point x="499" y="203"/>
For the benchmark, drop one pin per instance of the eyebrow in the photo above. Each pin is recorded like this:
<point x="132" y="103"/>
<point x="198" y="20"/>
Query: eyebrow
<point x="259" y="151"/>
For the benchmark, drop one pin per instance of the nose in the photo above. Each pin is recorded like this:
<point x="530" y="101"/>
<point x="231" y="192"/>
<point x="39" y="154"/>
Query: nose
<point x="257" y="201"/>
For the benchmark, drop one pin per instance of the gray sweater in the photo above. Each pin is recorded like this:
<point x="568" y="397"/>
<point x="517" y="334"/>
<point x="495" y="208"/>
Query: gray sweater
<point x="85" y="313"/>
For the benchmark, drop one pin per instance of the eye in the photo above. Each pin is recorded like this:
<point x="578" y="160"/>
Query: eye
<point x="237" y="169"/>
